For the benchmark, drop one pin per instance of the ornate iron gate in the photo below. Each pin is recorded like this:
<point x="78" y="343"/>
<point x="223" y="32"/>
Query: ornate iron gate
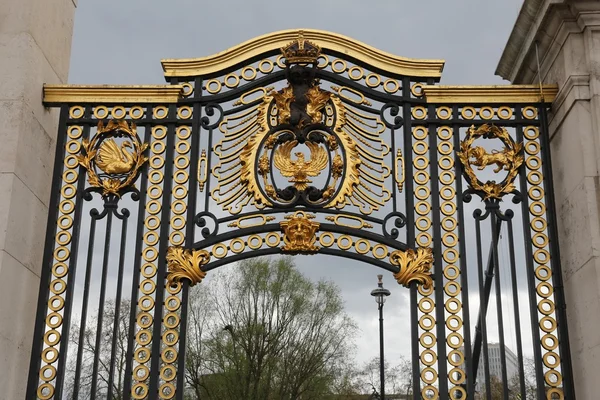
<point x="300" y="142"/>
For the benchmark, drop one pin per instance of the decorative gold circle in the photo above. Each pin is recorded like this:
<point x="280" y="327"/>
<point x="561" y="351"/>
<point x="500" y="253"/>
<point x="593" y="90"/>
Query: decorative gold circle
<point x="173" y="303"/>
<point x="171" y="320"/>
<point x="155" y="176"/>
<point x="362" y="246"/>
<point x="425" y="291"/>
<point x="454" y="323"/>
<point x="421" y="177"/>
<point x="531" y="132"/>
<point x="70" y="176"/>
<point x="152" y="222"/>
<point x="237" y="245"/>
<point x="546" y="307"/>
<point x="446" y="177"/>
<point x="184" y="112"/>
<point x="450" y="339"/>
<point x="141" y="354"/>
<point x="543" y="273"/>
<point x="167" y="390"/>
<point x="68" y="191"/>
<point x="395" y="86"/>
<point x="424" y="239"/>
<point x="419" y="112"/>
<point x="45" y="391"/>
<point x="178" y="207"/>
<point x="449" y="224"/>
<point x="252" y="73"/>
<point x="51" y="337"/>
<point x="146" y="303"/>
<point x="419" y="132"/>
<point x="450" y="239"/>
<point x="139" y="391"/>
<point x="420" y="162"/>
<point x="424" y="342"/>
<point x="145" y="372"/>
<point x="144" y="320"/>
<point x="549" y="342"/>
<point x="529" y="112"/>
<point x="420" y="147"/>
<point x="47" y="377"/>
<point x="232" y="81"/>
<point x="445" y="148"/>
<point x="444" y="112"/>
<point x="219" y="250"/>
<point x="468" y="112"/>
<point x="538" y="224"/>
<point x="428" y="357"/>
<point x="188" y="89"/>
<point x="537" y="208"/>
<point x="100" y="112"/>
<point x="56" y="303"/>
<point x="426" y="322"/>
<point x="158" y="147"/>
<point x="451" y="208"/>
<point x="352" y="70"/>
<point x="149" y="270"/>
<point x="336" y="69"/>
<point x="65" y="222"/>
<point x="165" y="355"/>
<point x="547" y="358"/>
<point x="61" y="253"/>
<point x="505" y="112"/>
<point x="157" y="162"/>
<point x="373" y="83"/>
<point x="60" y="269"/>
<point x="544" y="324"/>
<point x="541" y="256"/>
<point x="422" y="208"/>
<point x="74" y="132"/>
<point x="451" y="271"/>
<point x="153" y="207"/>
<point x="456" y="358"/>
<point x="536" y="193"/>
<point x="417" y="89"/>
<point x="423" y="223"/>
<point x="553" y="378"/>
<point x="544" y="289"/>
<point x="326" y="239"/>
<point x="147" y="286"/>
<point x="176" y="238"/>
<point x="532" y="148"/>
<point x="170" y="337"/>
<point x="73" y="147"/>
<point x="275" y="236"/>
<point x="183" y="132"/>
<point x="322" y="61"/>
<point x="213" y="86"/>
<point x="180" y="192"/>
<point x="428" y="371"/>
<point x="452" y="288"/>
<point x="76" y="112"/>
<point x="430" y="392"/>
<point x="486" y="112"/>
<point x="170" y="375"/>
<point x="444" y="132"/>
<point x="159" y="132"/>
<point x="268" y="69"/>
<point x="426" y="305"/>
<point x="63" y="238"/>
<point x="446" y="163"/>
<point x="453" y="305"/>
<point x="143" y="337"/>
<point x="49" y="355"/>
<point x="66" y="206"/>
<point x="255" y="242"/>
<point x="535" y="177"/>
<point x="422" y="192"/>
<point x="180" y="177"/>
<point x="118" y="112"/>
<point x="380" y="251"/>
<point x="457" y="392"/>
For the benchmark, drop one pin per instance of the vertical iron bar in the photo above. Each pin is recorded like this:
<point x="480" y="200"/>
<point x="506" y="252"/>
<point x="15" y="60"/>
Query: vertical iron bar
<point x="116" y="327"/>
<point x="60" y="376"/>
<point x="557" y="277"/>
<point x="535" y="332"/>
<point x="482" y="321"/>
<point x="381" y="353"/>
<point x="161" y="262"/>
<point x="46" y="270"/>
<point x="100" y="317"/>
<point x="471" y="378"/>
<point x="511" y="246"/>
<point x="496" y="226"/>
<point x="410" y="238"/>
<point x="437" y="265"/>
<point x="135" y="282"/>
<point x="86" y="295"/>
<point x="189" y="237"/>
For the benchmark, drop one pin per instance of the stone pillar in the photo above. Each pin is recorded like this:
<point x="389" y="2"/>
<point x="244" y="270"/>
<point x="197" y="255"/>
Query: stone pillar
<point x="567" y="33"/>
<point x="35" y="47"/>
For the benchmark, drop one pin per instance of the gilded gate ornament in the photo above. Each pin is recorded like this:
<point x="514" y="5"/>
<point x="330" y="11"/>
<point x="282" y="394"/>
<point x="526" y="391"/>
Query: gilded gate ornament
<point x="299" y="233"/>
<point x="113" y="168"/>
<point x="415" y="266"/>
<point x="300" y="132"/>
<point x="185" y="264"/>
<point x="508" y="159"/>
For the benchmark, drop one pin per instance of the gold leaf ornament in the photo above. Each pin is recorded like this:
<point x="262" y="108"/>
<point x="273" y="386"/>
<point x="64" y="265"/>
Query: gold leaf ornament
<point x="415" y="266"/>
<point x="186" y="264"/>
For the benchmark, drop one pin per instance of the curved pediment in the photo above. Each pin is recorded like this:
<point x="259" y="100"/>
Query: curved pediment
<point x="268" y="44"/>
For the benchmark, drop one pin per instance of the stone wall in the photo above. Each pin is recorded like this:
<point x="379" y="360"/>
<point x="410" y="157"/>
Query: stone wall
<point x="35" y="46"/>
<point x="567" y="34"/>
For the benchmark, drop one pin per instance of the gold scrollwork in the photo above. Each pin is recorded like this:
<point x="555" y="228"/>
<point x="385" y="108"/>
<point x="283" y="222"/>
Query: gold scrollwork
<point x="399" y="168"/>
<point x="415" y="266"/>
<point x="202" y="175"/>
<point x="252" y="220"/>
<point x="299" y="233"/>
<point x="509" y="159"/>
<point x="338" y="220"/>
<point x="186" y="264"/>
<point x="119" y="167"/>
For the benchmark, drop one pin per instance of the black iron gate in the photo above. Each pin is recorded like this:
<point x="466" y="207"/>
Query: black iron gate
<point x="301" y="142"/>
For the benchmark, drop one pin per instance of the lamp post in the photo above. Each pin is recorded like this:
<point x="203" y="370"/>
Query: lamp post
<point x="380" y="294"/>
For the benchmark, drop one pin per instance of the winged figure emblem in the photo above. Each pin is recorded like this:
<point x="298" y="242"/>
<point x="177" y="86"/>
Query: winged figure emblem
<point x="114" y="160"/>
<point x="300" y="169"/>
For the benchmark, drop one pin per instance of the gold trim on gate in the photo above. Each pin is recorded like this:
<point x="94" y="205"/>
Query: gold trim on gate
<point x="186" y="264"/>
<point x="56" y="94"/>
<point x="299" y="233"/>
<point x="415" y="266"/>
<point x="444" y="94"/>
<point x="327" y="40"/>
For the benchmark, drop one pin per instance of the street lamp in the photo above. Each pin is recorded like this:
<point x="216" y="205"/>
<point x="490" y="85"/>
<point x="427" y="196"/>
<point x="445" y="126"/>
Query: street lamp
<point x="380" y="294"/>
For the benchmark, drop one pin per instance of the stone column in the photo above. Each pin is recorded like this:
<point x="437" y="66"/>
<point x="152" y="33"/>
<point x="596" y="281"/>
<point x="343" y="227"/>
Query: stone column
<point x="568" y="41"/>
<point x="35" y="47"/>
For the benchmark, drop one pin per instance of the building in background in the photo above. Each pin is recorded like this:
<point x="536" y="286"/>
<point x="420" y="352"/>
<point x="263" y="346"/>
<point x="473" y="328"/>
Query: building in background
<point x="495" y="363"/>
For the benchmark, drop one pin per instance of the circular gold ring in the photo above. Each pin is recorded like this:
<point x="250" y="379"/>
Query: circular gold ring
<point x="273" y="239"/>
<point x="445" y="148"/>
<point x="213" y="86"/>
<point x="426" y="322"/>
<point x="422" y="192"/>
<point x="454" y="323"/>
<point x="420" y="162"/>
<point x="139" y="391"/>
<point x="60" y="269"/>
<point x="391" y="86"/>
<point x="74" y="132"/>
<point x="428" y="344"/>
<point x="183" y="132"/>
<point x="549" y="363"/>
<point x="188" y="89"/>
<point x="543" y="273"/>
<point x="232" y="81"/>
<point x="144" y="320"/>
<point x="165" y="355"/>
<point x="486" y="112"/>
<point x="51" y="337"/>
<point x="428" y="371"/>
<point x="45" y="391"/>
<point x="451" y="271"/>
<point x="118" y="112"/>
<point x="173" y="303"/>
<point x="352" y="70"/>
<point x="449" y="224"/>
<point x="546" y="307"/>
<point x="545" y="321"/>
<point x="268" y="69"/>
<point x="553" y="378"/>
<point x="529" y="112"/>
<point x="373" y="80"/>
<point x="426" y="305"/>
<point x="468" y="112"/>
<point x="76" y="112"/>
<point x="237" y="245"/>
<point x="417" y="89"/>
<point x="159" y="132"/>
<point x="252" y="73"/>
<point x="443" y="112"/>
<point x="459" y="340"/>
<point x="100" y="112"/>
<point x="362" y="246"/>
<point x="419" y="132"/>
<point x="423" y="223"/>
<point x="531" y="132"/>
<point x="428" y="357"/>
<point x="505" y="112"/>
<point x="419" y="112"/>
<point x="49" y="355"/>
<point x="421" y="177"/>
<point x="533" y="162"/>
<point x="336" y="69"/>
<point x="326" y="239"/>
<point x="219" y="250"/>
<point x="424" y="239"/>
<point x="255" y="242"/>
<point x="380" y="251"/>
<point x="184" y="112"/>
<point x="453" y="305"/>
<point x="422" y="208"/>
<point x="56" y="303"/>
<point x="45" y="376"/>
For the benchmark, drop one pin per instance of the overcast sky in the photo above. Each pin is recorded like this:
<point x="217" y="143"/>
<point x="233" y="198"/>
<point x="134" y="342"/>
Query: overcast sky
<point x="123" y="41"/>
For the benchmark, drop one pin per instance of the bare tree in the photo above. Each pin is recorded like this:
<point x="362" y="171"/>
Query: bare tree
<point x="265" y="332"/>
